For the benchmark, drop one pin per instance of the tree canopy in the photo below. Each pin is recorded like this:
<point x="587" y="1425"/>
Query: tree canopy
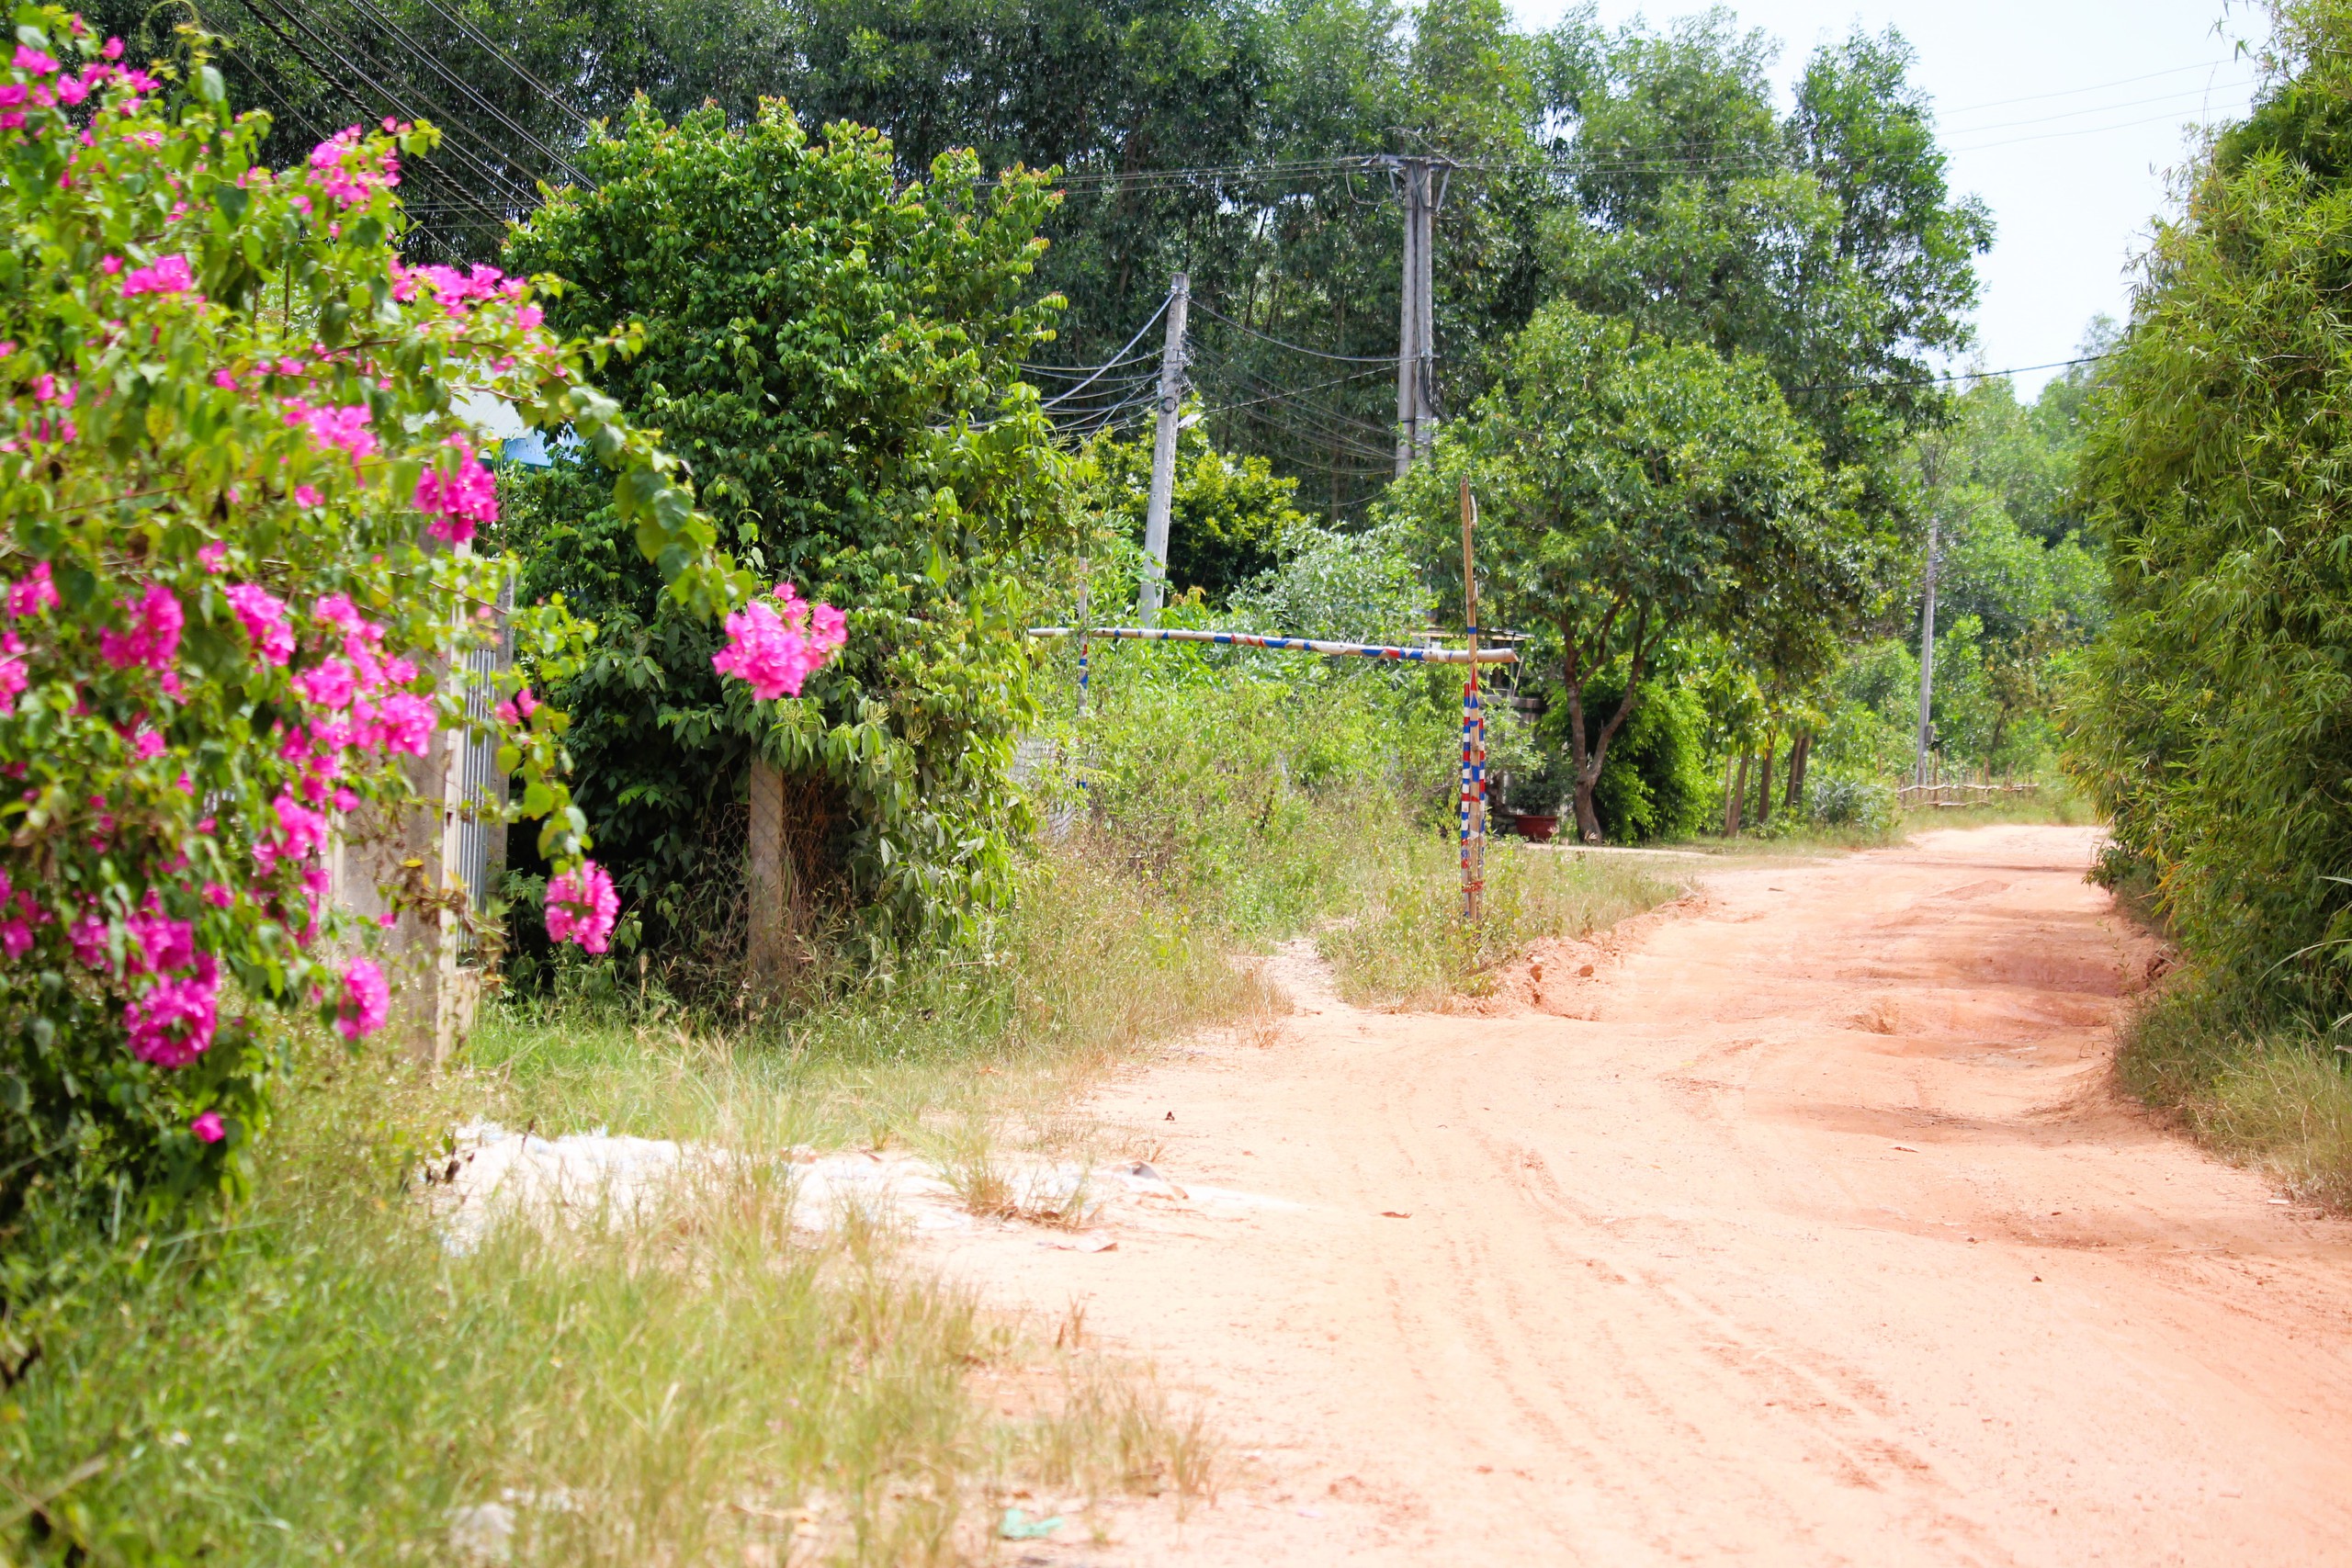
<point x="833" y="354"/>
<point x="1632" y="490"/>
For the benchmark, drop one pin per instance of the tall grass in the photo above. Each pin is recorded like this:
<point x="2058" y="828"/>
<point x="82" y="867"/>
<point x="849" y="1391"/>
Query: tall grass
<point x="328" y="1382"/>
<point x="1086" y="969"/>
<point x="2262" y="1090"/>
<point x="1412" y="948"/>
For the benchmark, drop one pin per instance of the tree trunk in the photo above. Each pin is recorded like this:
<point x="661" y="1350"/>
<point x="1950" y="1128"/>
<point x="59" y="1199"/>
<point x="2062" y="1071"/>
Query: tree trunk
<point x="1800" y="753"/>
<point x="1764" y="789"/>
<point x="1739" y="797"/>
<point x="772" y="953"/>
<point x="1731" y="795"/>
<point x="1588" y="758"/>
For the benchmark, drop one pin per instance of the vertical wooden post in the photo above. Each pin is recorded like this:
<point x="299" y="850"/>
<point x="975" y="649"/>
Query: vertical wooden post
<point x="1473" y="731"/>
<point x="768" y="956"/>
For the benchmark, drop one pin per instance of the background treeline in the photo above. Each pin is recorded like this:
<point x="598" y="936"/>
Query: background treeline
<point x="872" y="325"/>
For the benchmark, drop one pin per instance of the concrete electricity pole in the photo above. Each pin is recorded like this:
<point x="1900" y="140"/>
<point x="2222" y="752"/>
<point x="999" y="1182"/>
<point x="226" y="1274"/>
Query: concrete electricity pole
<point x="1163" y="450"/>
<point x="1927" y="661"/>
<point x="1415" y="325"/>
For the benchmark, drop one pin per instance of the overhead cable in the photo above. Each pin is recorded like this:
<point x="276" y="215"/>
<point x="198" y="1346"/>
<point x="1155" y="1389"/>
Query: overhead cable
<point x="399" y="35"/>
<point x="1115" y="359"/>
<point x="1961" y="376"/>
<point x="1208" y="309"/>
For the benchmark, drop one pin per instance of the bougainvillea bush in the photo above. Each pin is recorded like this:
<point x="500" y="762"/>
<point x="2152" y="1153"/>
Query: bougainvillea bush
<point x="236" y="501"/>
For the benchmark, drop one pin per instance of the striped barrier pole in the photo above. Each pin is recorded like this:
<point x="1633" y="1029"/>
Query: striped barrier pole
<point x="1294" y="644"/>
<point x="1474" y="733"/>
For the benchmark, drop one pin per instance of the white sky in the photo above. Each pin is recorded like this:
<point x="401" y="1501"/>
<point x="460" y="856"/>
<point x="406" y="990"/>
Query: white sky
<point x="2064" y="115"/>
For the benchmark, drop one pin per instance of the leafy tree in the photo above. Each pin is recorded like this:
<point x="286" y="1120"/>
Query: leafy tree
<point x="834" y="354"/>
<point x="1632" y="491"/>
<point x="2211" y="719"/>
<point x="1825" y="242"/>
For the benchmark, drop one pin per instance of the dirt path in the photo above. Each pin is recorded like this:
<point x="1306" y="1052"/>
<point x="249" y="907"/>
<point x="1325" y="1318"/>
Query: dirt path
<point x="1805" y="1230"/>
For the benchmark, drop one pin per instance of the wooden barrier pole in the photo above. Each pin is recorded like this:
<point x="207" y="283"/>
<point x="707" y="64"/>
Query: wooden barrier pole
<point x="1473" y="731"/>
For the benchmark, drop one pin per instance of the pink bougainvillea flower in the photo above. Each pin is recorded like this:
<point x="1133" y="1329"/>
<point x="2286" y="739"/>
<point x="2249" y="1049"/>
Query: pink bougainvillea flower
<point x="154" y="640"/>
<point x="170" y="274"/>
<point x="300" y="833"/>
<point x="366" y="1000"/>
<point x="213" y="554"/>
<point x="581" y="907"/>
<point x="173" y="1024"/>
<point x="329" y="685"/>
<point x="113" y="50"/>
<point x="341" y="427"/>
<point x="159" y="944"/>
<point x="263" y="615"/>
<point x="775" y="648"/>
<point x="146" y="746"/>
<point x="34" y="60"/>
<point x="207" y="1128"/>
<point x="337" y="611"/>
<point x="404" y="724"/>
<point x="306" y="495"/>
<point x="348" y="171"/>
<point x="458" y="504"/>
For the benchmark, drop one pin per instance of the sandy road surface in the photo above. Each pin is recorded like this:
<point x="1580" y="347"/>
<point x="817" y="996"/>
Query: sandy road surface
<point x="1804" y="1231"/>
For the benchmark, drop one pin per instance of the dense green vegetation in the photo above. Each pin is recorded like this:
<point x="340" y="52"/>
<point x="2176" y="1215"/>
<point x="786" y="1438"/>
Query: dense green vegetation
<point x="2210" y="723"/>
<point x="835" y="355"/>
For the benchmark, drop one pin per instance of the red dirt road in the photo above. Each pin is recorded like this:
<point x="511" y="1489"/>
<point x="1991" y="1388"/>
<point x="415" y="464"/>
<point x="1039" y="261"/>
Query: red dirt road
<point x="1806" y="1231"/>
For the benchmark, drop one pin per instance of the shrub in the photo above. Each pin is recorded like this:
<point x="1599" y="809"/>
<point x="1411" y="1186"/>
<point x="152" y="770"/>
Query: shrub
<point x="837" y="353"/>
<point x="238" y="498"/>
<point x="1833" y="800"/>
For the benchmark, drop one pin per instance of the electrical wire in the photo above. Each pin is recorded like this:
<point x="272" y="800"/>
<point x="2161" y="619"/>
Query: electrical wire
<point x="1961" y="376"/>
<point x="2094" y="88"/>
<point x="332" y="81"/>
<point x="486" y="159"/>
<point x="1208" y="309"/>
<point x="469" y="31"/>
<point x="2205" y="92"/>
<point x="1115" y="359"/>
<point x="1294" y="392"/>
<point x="400" y="36"/>
<point x="1074" y="372"/>
<point x="398" y="106"/>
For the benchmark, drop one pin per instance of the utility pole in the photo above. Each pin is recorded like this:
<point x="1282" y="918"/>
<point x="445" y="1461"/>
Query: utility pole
<point x="1424" y="192"/>
<point x="1163" y="450"/>
<point x="1926" y="660"/>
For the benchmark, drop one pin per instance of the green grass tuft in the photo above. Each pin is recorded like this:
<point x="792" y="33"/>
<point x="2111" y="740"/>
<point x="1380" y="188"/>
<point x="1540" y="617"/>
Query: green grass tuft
<point x="2271" y="1095"/>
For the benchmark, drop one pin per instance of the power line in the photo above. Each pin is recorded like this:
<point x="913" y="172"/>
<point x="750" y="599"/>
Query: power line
<point x="1296" y="391"/>
<point x="1116" y="359"/>
<point x="483" y="155"/>
<point x="399" y="35"/>
<point x="1390" y="360"/>
<point x="489" y="174"/>
<point x="469" y="30"/>
<point x="2101" y="109"/>
<point x="1963" y="375"/>
<point x="2094" y="88"/>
